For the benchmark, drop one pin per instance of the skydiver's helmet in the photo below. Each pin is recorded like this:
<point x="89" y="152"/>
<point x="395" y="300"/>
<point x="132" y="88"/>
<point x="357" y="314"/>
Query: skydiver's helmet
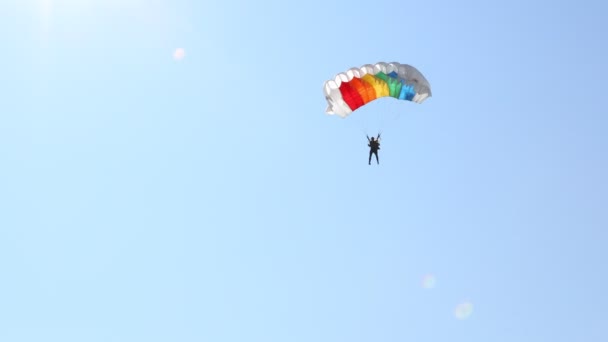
<point x="373" y="139"/>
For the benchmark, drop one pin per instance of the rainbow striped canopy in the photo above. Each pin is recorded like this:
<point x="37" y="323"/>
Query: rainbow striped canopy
<point x="358" y="86"/>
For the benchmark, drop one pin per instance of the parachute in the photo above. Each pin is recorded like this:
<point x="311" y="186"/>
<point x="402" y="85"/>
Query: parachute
<point x="356" y="87"/>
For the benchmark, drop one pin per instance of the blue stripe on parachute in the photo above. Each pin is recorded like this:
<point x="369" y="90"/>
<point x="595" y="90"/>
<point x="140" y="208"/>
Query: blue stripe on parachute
<point x="407" y="92"/>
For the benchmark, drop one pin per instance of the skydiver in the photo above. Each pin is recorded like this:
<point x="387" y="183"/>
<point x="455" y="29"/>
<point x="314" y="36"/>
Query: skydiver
<point x="374" y="146"/>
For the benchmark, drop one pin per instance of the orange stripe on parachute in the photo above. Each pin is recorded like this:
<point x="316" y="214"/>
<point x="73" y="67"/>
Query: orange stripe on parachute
<point x="369" y="90"/>
<point x="359" y="86"/>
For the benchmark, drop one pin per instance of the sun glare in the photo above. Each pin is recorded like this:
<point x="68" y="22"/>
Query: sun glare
<point x="179" y="54"/>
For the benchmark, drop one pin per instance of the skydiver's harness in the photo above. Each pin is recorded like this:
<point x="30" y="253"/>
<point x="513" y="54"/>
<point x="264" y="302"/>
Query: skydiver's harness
<point x="374" y="144"/>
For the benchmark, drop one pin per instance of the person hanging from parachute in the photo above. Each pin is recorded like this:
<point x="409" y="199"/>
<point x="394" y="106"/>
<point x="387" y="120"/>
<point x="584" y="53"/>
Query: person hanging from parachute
<point x="374" y="146"/>
<point x="354" y="88"/>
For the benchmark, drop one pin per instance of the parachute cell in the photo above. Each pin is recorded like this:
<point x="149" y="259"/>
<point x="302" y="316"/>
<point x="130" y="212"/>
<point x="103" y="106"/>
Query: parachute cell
<point x="356" y="87"/>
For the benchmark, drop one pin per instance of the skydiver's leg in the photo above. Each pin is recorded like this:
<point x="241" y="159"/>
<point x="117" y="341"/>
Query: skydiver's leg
<point x="369" y="162"/>
<point x="377" y="161"/>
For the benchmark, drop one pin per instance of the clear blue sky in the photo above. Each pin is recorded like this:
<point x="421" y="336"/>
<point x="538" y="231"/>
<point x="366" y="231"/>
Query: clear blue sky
<point x="144" y="198"/>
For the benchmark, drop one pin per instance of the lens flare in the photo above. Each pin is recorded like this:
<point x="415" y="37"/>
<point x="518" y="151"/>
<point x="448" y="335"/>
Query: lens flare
<point x="429" y="281"/>
<point x="463" y="310"/>
<point x="179" y="54"/>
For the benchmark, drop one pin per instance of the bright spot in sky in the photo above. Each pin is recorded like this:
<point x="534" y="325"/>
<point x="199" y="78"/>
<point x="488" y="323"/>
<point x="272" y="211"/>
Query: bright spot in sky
<point x="179" y="54"/>
<point x="463" y="310"/>
<point x="429" y="281"/>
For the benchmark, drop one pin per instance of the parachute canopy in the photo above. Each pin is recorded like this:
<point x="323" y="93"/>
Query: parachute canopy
<point x="358" y="86"/>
